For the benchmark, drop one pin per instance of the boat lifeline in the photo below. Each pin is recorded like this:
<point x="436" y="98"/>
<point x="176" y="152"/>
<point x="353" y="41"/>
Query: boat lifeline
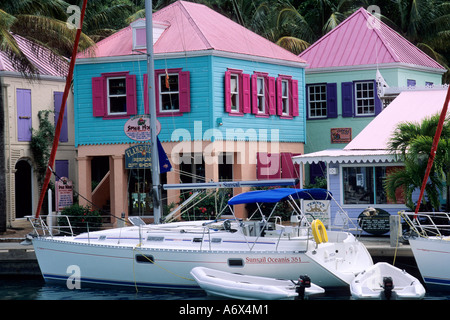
<point x="162" y="255"/>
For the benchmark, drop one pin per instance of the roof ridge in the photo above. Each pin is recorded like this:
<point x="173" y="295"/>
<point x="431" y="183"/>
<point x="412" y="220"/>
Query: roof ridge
<point x="184" y="10"/>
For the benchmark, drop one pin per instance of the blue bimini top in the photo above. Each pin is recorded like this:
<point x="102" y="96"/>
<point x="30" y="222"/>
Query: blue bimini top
<point x="276" y="195"/>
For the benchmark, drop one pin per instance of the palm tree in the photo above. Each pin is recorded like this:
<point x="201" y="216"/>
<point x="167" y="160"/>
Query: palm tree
<point x="42" y="22"/>
<point x="411" y="143"/>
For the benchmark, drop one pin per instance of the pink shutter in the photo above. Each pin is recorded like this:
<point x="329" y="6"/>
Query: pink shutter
<point x="146" y="107"/>
<point x="98" y="97"/>
<point x="272" y="97"/>
<point x="157" y="73"/>
<point x="294" y="98"/>
<point x="279" y="97"/>
<point x="227" y="91"/>
<point x="255" y="94"/>
<point x="246" y="94"/>
<point x="131" y="95"/>
<point x="185" y="91"/>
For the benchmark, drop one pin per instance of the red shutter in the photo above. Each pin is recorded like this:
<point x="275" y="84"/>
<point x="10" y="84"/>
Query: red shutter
<point x="146" y="107"/>
<point x="157" y="73"/>
<point x="255" y="94"/>
<point x="227" y="91"/>
<point x="246" y="94"/>
<point x="98" y="97"/>
<point x="268" y="166"/>
<point x="294" y="98"/>
<point x="279" y="97"/>
<point x="185" y="91"/>
<point x="272" y="97"/>
<point x="131" y="95"/>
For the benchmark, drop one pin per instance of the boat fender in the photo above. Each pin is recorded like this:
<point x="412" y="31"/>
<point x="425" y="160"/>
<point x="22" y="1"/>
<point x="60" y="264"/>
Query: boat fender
<point x="388" y="286"/>
<point x="303" y="282"/>
<point x="319" y="232"/>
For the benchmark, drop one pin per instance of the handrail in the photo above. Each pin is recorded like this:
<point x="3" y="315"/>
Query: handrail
<point x="430" y="228"/>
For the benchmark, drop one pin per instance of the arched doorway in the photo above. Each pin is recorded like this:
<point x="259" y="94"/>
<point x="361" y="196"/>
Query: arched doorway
<point x="23" y="187"/>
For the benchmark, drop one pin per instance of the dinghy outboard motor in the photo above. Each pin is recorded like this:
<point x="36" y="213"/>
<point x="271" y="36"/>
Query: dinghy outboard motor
<point x="388" y="286"/>
<point x="303" y="283"/>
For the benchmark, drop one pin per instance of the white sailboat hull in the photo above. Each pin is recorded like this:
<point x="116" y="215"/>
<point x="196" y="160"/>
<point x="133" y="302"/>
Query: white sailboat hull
<point x="165" y="259"/>
<point x="432" y="255"/>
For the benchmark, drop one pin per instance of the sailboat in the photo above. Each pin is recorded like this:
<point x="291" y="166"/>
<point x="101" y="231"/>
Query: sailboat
<point x="162" y="255"/>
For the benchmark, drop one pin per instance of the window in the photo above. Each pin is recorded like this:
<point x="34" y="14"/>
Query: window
<point x="365" y="98"/>
<point x="317" y="95"/>
<point x="360" y="98"/>
<point x="364" y="185"/>
<point x="410" y="82"/>
<point x="117" y="96"/>
<point x="169" y="93"/>
<point x="173" y="93"/>
<point x="287" y="97"/>
<point x="234" y="92"/>
<point x="261" y="95"/>
<point x="114" y="95"/>
<point x="237" y="92"/>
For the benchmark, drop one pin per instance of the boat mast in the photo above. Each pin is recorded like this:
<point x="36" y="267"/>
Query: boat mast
<point x="152" y="107"/>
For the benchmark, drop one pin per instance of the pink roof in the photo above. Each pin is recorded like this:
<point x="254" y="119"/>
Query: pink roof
<point x="409" y="106"/>
<point x="195" y="27"/>
<point x="371" y="143"/>
<point x="361" y="40"/>
<point x="40" y="57"/>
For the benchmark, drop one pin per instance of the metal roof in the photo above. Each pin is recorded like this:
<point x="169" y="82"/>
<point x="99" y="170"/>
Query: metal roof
<point x="362" y="39"/>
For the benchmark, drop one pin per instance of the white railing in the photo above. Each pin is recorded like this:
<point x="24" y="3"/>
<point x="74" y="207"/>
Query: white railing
<point x="428" y="224"/>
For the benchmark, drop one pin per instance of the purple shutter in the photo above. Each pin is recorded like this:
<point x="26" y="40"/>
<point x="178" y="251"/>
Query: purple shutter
<point x="131" y="95"/>
<point x="288" y="168"/>
<point x="378" y="103"/>
<point x="246" y="94"/>
<point x="24" y="124"/>
<point x="347" y="99"/>
<point x="62" y="169"/>
<point x="98" y="96"/>
<point x="254" y="81"/>
<point x="185" y="91"/>
<point x="332" y="100"/>
<point x="272" y="96"/>
<point x="294" y="98"/>
<point x="64" y="134"/>
<point x="279" y="97"/>
<point x="227" y="91"/>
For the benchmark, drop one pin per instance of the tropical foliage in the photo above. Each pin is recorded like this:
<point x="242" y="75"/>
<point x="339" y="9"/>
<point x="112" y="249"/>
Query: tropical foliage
<point x="293" y="24"/>
<point x="411" y="143"/>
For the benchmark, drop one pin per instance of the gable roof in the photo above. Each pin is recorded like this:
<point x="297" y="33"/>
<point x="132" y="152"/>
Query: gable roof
<point x="362" y="39"/>
<point x="371" y="143"/>
<point x="195" y="27"/>
<point x="46" y="63"/>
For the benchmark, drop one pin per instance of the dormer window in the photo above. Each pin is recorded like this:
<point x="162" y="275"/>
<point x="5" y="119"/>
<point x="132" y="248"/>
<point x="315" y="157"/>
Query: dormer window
<point x="140" y="36"/>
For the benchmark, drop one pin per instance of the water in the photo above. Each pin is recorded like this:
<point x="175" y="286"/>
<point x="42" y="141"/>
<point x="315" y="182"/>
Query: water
<point x="37" y="289"/>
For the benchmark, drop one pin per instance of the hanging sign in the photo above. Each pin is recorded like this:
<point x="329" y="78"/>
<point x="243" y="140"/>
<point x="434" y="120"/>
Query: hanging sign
<point x="138" y="157"/>
<point x="138" y="128"/>
<point x="376" y="223"/>
<point x="64" y="193"/>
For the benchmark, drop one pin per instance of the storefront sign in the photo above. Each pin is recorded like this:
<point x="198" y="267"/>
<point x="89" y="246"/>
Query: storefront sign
<point x="318" y="209"/>
<point x="341" y="135"/>
<point x="138" y="157"/>
<point x="138" y="128"/>
<point x="64" y="193"/>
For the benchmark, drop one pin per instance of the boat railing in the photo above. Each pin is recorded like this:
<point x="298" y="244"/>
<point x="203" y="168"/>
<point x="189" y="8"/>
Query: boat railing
<point x="428" y="224"/>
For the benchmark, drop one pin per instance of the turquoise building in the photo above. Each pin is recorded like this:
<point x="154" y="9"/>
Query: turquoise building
<point x="230" y="104"/>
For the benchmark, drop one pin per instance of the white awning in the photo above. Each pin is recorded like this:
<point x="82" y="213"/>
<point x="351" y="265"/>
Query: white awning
<point x="345" y="156"/>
